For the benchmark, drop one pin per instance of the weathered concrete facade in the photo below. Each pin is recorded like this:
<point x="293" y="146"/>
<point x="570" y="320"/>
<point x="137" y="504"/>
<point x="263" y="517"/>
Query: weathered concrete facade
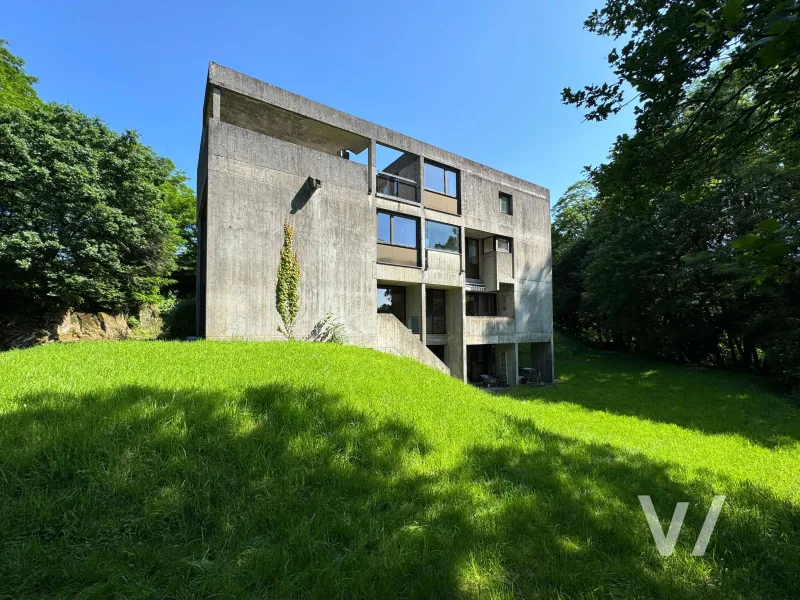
<point x="467" y="282"/>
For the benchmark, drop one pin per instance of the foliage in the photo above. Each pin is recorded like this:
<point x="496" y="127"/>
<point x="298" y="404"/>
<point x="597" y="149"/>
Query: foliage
<point x="179" y="317"/>
<point x="314" y="470"/>
<point x="16" y="86"/>
<point x="180" y="204"/>
<point x="85" y="224"/>
<point x="693" y="247"/>
<point x="287" y="285"/>
<point x="328" y="329"/>
<point x="703" y="59"/>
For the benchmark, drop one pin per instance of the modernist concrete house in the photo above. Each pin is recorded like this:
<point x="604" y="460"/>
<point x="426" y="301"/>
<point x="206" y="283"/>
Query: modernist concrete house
<point x="417" y="251"/>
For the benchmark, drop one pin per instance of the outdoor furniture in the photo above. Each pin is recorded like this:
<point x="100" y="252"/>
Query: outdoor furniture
<point x="531" y="376"/>
<point x="489" y="381"/>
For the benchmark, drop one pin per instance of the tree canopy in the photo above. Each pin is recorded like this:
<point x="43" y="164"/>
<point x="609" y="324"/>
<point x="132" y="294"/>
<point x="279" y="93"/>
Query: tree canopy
<point x="90" y="217"/>
<point x="16" y="86"/>
<point x="692" y="246"/>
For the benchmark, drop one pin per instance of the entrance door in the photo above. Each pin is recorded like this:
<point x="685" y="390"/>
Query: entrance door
<point x="473" y="266"/>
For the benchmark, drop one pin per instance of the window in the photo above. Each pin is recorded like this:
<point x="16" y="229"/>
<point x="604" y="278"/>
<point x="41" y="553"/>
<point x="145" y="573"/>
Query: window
<point x="506" y="204"/>
<point x="441" y="236"/>
<point x="434" y="312"/>
<point x="441" y="180"/>
<point x="503" y="244"/>
<point x="481" y="305"/>
<point x="396" y="230"/>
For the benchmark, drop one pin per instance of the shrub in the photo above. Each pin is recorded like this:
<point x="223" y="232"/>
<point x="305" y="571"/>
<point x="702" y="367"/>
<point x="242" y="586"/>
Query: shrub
<point x="179" y="317"/>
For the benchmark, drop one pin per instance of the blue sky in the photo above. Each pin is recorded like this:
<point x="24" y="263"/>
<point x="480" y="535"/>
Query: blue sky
<point x="481" y="79"/>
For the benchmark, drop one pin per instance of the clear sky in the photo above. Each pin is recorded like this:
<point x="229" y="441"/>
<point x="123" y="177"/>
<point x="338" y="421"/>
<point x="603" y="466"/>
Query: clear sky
<point x="481" y="79"/>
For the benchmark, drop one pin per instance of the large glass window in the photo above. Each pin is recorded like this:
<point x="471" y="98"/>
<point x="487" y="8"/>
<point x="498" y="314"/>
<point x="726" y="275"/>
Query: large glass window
<point x="441" y="180"/>
<point x="397" y="230"/>
<point x="405" y="231"/>
<point x="441" y="236"/>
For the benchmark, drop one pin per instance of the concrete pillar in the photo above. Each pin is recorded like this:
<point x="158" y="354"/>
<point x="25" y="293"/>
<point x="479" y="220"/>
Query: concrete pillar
<point x="423" y="326"/>
<point x="371" y="160"/>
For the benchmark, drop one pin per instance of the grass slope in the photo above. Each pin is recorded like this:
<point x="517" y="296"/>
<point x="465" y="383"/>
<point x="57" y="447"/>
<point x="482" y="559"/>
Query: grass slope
<point x="230" y="470"/>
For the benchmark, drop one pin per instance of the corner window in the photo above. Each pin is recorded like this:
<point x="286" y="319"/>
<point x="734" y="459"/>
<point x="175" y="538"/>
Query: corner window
<point x="441" y="180"/>
<point x="506" y="204"/>
<point x="441" y="236"/>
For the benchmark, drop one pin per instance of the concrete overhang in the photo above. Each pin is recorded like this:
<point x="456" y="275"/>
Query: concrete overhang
<point x="286" y="125"/>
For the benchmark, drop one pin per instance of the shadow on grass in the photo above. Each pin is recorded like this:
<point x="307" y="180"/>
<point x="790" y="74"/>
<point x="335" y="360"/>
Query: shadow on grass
<point x="712" y="402"/>
<point x="284" y="492"/>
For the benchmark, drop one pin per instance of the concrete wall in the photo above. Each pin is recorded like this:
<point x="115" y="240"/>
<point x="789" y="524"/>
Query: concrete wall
<point x="394" y="338"/>
<point x="255" y="183"/>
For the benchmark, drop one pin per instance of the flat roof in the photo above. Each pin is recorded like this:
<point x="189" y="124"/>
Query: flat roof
<point x="307" y="109"/>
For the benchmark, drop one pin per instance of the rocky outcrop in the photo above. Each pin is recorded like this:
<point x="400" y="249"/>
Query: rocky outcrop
<point x="23" y="332"/>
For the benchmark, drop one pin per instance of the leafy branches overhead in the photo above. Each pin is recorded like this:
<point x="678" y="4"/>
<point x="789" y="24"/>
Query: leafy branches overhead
<point x="688" y="62"/>
<point x="16" y="86"/>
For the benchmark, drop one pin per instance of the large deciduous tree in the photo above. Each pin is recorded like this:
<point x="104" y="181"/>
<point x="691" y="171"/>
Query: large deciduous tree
<point x="693" y="249"/>
<point x="86" y="221"/>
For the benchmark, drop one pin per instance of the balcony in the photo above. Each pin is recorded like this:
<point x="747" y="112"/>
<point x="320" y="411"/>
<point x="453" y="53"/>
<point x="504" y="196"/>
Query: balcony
<point x="494" y="330"/>
<point x="395" y="187"/>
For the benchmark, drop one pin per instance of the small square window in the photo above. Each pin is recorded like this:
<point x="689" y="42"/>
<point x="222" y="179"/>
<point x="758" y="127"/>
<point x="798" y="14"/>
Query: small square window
<point x="503" y="244"/>
<point x="506" y="204"/>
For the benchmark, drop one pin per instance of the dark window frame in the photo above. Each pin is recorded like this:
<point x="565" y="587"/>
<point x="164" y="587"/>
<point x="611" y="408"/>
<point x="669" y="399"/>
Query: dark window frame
<point x="427" y="221"/>
<point x="429" y="293"/>
<point x="510" y="203"/>
<point x="497" y="239"/>
<point x="391" y="241"/>
<point x="445" y="169"/>
<point x="480" y="304"/>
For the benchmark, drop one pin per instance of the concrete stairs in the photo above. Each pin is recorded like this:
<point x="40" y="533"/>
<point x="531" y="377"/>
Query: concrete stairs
<point x="395" y="338"/>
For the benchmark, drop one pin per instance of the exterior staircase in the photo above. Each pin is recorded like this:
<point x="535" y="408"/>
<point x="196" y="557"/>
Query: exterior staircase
<point x="395" y="338"/>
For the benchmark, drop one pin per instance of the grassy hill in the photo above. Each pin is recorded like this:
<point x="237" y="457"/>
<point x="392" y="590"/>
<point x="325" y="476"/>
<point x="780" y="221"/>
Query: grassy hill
<point x="231" y="470"/>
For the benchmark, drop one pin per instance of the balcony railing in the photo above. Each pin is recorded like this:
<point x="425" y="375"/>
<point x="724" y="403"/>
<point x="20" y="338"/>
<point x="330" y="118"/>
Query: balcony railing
<point x="394" y="186"/>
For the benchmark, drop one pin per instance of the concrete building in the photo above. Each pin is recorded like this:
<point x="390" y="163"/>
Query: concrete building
<point x="417" y="251"/>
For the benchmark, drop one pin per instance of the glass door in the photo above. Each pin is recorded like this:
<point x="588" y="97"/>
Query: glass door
<point x="473" y="266"/>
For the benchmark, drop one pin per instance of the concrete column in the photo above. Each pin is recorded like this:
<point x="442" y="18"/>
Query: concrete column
<point x="421" y="192"/>
<point x="371" y="159"/>
<point x="423" y="326"/>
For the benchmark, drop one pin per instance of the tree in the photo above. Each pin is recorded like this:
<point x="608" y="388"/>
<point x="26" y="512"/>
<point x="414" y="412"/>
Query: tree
<point x="572" y="217"/>
<point x="180" y="204"/>
<point x="16" y="86"/>
<point x="84" y="217"/>
<point x="699" y="59"/>
<point x="287" y="286"/>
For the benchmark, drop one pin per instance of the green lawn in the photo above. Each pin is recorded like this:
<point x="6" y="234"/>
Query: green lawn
<point x="232" y="470"/>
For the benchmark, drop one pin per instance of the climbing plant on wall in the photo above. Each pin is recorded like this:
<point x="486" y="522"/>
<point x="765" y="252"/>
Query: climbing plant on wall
<point x="287" y="287"/>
